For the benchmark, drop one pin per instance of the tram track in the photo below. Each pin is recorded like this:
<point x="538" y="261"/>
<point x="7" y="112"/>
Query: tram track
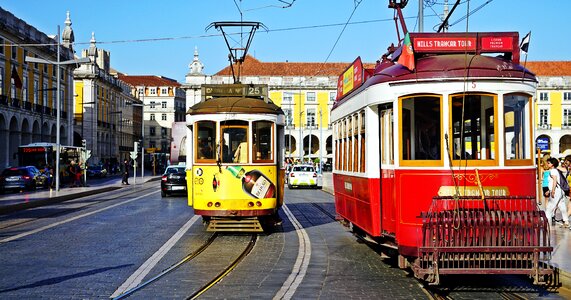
<point x="65" y="211"/>
<point x="188" y="259"/>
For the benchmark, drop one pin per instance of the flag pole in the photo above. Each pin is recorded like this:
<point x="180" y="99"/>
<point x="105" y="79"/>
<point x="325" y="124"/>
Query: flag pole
<point x="525" y="47"/>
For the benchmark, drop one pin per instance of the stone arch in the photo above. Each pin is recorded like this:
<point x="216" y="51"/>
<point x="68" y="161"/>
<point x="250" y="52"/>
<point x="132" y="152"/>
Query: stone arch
<point x="290" y="144"/>
<point x="36" y="132"/>
<point x="4" y="153"/>
<point x="13" y="141"/>
<point x="314" y="144"/>
<point x="565" y="143"/>
<point x="329" y="145"/>
<point x="52" y="137"/>
<point x="26" y="132"/>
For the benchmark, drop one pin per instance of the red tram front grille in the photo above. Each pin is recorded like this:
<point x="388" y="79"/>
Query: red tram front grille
<point x="498" y="235"/>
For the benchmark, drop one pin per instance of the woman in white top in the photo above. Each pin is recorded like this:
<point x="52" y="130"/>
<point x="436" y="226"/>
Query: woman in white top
<point x="556" y="196"/>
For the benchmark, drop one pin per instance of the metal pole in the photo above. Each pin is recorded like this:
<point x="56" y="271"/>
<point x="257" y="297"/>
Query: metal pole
<point x="309" y="148"/>
<point x="58" y="114"/>
<point x="320" y="141"/>
<point x="143" y="137"/>
<point x="300" y="136"/>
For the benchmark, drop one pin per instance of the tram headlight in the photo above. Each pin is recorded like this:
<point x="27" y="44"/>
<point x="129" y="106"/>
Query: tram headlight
<point x="250" y="204"/>
<point x="217" y="204"/>
<point x="258" y="203"/>
<point x="209" y="204"/>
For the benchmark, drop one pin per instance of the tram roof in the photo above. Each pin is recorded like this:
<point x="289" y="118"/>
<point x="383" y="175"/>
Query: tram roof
<point x="450" y="66"/>
<point x="245" y="105"/>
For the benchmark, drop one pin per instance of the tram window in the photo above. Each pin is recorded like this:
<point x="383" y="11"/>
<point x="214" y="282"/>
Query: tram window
<point x="421" y="128"/>
<point x="355" y="144"/>
<point x="263" y="141"/>
<point x="386" y="119"/>
<point x="205" y="139"/>
<point x="362" y="139"/>
<point x="473" y="127"/>
<point x="234" y="142"/>
<point x="516" y="127"/>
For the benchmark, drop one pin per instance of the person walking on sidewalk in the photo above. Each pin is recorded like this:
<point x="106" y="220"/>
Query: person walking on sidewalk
<point x="556" y="195"/>
<point x="125" y="179"/>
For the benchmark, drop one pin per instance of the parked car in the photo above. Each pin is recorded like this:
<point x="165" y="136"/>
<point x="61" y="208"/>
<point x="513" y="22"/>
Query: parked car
<point x="327" y="167"/>
<point x="303" y="175"/>
<point x="173" y="180"/>
<point x="22" y="178"/>
<point x="96" y="171"/>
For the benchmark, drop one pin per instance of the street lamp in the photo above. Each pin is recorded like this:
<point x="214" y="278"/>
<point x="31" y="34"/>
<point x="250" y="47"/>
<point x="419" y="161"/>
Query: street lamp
<point x="320" y="141"/>
<point x="142" y="132"/>
<point x="300" y="135"/>
<point x="120" y="134"/>
<point x="57" y="63"/>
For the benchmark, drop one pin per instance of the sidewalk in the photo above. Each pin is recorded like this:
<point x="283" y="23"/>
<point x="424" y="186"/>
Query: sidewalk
<point x="11" y="202"/>
<point x="15" y="201"/>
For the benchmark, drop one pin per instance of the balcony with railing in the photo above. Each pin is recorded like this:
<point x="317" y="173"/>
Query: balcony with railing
<point x="544" y="126"/>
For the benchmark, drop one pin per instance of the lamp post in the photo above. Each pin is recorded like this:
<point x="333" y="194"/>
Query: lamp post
<point x="57" y="63"/>
<point x="142" y="134"/>
<point x="301" y="136"/>
<point x="320" y="141"/>
<point x="120" y="134"/>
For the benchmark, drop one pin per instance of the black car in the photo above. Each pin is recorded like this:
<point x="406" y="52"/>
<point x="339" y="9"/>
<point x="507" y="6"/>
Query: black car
<point x="173" y="180"/>
<point x="96" y="171"/>
<point x="22" y="178"/>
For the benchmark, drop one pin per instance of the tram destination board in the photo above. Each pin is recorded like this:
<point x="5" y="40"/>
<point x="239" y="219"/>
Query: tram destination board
<point x="233" y="90"/>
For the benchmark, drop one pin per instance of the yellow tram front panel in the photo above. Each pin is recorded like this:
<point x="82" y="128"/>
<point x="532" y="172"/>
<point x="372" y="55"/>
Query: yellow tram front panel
<point x="233" y="187"/>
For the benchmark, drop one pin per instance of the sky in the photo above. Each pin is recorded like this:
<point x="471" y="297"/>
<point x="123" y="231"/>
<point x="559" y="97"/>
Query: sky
<point x="159" y="37"/>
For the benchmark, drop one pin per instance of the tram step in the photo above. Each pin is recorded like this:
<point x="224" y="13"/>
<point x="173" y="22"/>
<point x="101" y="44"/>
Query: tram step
<point x="234" y="225"/>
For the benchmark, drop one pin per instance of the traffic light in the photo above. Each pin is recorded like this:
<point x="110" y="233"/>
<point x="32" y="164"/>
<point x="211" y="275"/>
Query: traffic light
<point x="140" y="146"/>
<point x="83" y="143"/>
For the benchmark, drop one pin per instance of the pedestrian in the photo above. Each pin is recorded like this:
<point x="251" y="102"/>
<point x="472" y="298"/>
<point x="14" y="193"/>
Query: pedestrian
<point x="556" y="198"/>
<point x="71" y="174"/>
<point x="545" y="181"/>
<point x="125" y="179"/>
<point x="567" y="163"/>
<point x="78" y="173"/>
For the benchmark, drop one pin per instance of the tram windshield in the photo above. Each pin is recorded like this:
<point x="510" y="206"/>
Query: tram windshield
<point x="205" y="139"/>
<point x="473" y="127"/>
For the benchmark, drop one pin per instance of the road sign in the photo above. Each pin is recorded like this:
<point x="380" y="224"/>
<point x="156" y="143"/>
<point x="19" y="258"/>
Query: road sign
<point x="133" y="154"/>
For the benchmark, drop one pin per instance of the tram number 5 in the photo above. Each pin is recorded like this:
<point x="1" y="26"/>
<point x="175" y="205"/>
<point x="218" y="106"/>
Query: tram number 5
<point x="473" y="85"/>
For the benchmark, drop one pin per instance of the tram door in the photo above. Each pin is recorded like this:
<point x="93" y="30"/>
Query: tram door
<point x="387" y="175"/>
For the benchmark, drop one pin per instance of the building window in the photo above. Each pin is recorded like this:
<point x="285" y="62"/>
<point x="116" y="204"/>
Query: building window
<point x="2" y="78"/>
<point x="153" y="91"/>
<point x="25" y="89"/>
<point x="164" y="117"/>
<point x="543" y="117"/>
<point x="310" y="117"/>
<point x="543" y="96"/>
<point x="566" y="118"/>
<point x="163" y="131"/>
<point x="2" y="46"/>
<point x="310" y="96"/>
<point x="567" y="96"/>
<point x="45" y="94"/>
<point x="36" y="96"/>
<point x="141" y="91"/>
<point x="152" y="131"/>
<point x="287" y="97"/>
<point x="288" y="116"/>
<point x="164" y="91"/>
<point x="152" y="117"/>
<point x="164" y="104"/>
<point x="14" y="52"/>
<point x="153" y="144"/>
<point x="332" y="96"/>
<point x="152" y="104"/>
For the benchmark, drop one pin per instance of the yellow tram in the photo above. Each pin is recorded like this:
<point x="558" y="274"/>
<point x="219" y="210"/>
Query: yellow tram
<point x="235" y="175"/>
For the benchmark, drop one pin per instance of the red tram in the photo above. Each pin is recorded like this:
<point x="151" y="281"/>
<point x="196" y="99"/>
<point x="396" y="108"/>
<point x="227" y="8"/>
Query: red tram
<point x="436" y="160"/>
